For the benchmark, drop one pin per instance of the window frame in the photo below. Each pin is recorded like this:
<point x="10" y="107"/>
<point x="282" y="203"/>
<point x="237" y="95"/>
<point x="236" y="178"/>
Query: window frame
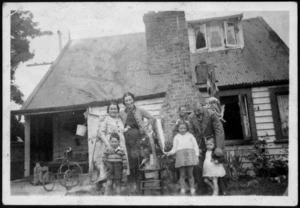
<point x="275" y="111"/>
<point x="222" y="26"/>
<point x="247" y="92"/>
<point x="206" y="36"/>
<point x="226" y="36"/>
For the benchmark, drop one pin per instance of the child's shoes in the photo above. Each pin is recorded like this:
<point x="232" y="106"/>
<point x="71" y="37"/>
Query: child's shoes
<point x="193" y="191"/>
<point x="182" y="191"/>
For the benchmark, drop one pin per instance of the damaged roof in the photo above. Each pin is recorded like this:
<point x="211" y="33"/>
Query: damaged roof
<point x="101" y="69"/>
<point x="264" y="58"/>
<point x="97" y="69"/>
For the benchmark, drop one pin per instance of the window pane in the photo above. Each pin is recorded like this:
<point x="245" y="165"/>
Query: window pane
<point x="283" y="105"/>
<point x="200" y="37"/>
<point x="231" y="35"/>
<point x="246" y="121"/>
<point x="215" y="37"/>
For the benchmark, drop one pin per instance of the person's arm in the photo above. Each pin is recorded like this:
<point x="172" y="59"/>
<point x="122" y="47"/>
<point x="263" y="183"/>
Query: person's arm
<point x="195" y="145"/>
<point x="219" y="131"/>
<point x="104" y="158"/>
<point x="192" y="128"/>
<point x="146" y="114"/>
<point x="124" y="160"/>
<point x="102" y="132"/>
<point x="222" y="159"/>
<point x="193" y="131"/>
<point x="174" y="148"/>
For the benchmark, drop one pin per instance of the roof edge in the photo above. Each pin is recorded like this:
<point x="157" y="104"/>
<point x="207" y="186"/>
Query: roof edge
<point x="42" y="81"/>
<point x="110" y="36"/>
<point x="247" y="85"/>
<point x="80" y="106"/>
<point x="238" y="16"/>
<point x="268" y="27"/>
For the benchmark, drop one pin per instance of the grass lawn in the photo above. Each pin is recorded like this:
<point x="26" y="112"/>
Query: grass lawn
<point x="247" y="186"/>
<point x="257" y="186"/>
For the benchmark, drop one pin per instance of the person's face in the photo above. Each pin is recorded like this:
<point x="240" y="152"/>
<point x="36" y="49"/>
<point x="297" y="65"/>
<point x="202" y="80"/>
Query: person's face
<point x="182" y="129"/>
<point x="113" y="110"/>
<point x="199" y="109"/>
<point x="114" y="142"/>
<point x="207" y="104"/>
<point x="129" y="102"/>
<point x="210" y="145"/>
<point x="182" y="111"/>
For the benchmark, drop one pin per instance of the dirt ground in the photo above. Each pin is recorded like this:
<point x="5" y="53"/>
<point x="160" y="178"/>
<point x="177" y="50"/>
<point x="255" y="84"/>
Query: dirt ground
<point x="25" y="188"/>
<point x="252" y="187"/>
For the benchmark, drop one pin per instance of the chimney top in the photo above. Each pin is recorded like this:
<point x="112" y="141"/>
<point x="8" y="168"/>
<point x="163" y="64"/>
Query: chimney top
<point x="150" y="16"/>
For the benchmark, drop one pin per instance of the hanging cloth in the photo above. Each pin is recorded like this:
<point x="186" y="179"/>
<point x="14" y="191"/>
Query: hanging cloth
<point x="211" y="81"/>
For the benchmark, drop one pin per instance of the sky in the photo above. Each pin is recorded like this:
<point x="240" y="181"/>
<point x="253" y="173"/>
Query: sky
<point x="84" y="20"/>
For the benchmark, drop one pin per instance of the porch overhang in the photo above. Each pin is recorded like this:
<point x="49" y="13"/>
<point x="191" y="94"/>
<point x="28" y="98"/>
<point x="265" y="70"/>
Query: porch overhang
<point x="35" y="111"/>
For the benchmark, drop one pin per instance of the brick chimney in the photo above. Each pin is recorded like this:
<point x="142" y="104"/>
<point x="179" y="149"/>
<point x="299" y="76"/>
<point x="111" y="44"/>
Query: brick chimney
<point x="166" y="37"/>
<point x="168" y="52"/>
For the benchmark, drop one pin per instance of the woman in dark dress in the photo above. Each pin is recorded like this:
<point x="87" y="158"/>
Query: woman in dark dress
<point x="132" y="117"/>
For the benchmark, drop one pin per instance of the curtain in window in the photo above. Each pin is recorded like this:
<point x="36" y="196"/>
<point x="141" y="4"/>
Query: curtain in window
<point x="211" y="85"/>
<point x="216" y="40"/>
<point x="216" y="35"/>
<point x="283" y="105"/>
<point x="231" y="37"/>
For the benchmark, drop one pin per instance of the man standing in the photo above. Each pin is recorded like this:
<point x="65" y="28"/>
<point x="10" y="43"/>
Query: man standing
<point x="204" y="123"/>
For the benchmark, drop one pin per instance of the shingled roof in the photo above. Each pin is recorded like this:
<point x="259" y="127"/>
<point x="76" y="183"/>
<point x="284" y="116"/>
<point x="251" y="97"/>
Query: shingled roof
<point x="264" y="58"/>
<point x="97" y="69"/>
<point x="100" y="69"/>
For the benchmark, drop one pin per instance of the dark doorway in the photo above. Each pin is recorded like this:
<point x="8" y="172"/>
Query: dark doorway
<point x="41" y="135"/>
<point x="233" y="127"/>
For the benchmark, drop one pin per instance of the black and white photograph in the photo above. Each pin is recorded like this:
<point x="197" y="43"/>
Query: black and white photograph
<point x="150" y="103"/>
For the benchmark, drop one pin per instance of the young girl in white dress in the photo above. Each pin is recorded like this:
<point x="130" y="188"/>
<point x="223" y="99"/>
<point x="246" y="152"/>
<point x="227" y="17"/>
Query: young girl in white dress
<point x="212" y="167"/>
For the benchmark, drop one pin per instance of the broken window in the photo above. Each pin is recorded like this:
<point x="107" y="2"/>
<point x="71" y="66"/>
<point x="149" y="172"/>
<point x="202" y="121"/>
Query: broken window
<point x="280" y="110"/>
<point x="215" y="35"/>
<point x="283" y="106"/>
<point x="201" y="42"/>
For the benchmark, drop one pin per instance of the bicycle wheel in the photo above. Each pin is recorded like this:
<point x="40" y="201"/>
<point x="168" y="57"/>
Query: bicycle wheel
<point x="71" y="172"/>
<point x="48" y="181"/>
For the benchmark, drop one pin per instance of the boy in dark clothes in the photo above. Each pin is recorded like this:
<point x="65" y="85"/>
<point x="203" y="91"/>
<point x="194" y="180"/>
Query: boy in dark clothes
<point x="116" y="164"/>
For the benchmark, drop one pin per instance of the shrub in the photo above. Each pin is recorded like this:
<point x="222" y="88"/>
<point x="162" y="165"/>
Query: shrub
<point x="234" y="167"/>
<point x="264" y="164"/>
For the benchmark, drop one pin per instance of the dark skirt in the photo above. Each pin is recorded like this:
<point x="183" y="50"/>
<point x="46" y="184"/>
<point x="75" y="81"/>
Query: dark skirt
<point x="132" y="141"/>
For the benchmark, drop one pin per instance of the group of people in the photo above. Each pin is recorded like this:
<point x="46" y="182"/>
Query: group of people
<point x="122" y="133"/>
<point x="198" y="145"/>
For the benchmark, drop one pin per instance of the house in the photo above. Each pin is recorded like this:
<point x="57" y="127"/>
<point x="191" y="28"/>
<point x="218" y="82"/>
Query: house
<point x="165" y="68"/>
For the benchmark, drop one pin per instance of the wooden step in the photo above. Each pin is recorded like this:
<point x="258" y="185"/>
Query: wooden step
<point x="151" y="188"/>
<point x="149" y="181"/>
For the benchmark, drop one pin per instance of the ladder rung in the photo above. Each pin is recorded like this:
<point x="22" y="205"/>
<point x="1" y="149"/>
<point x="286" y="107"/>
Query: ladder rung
<point x="150" y="181"/>
<point x="152" y="188"/>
